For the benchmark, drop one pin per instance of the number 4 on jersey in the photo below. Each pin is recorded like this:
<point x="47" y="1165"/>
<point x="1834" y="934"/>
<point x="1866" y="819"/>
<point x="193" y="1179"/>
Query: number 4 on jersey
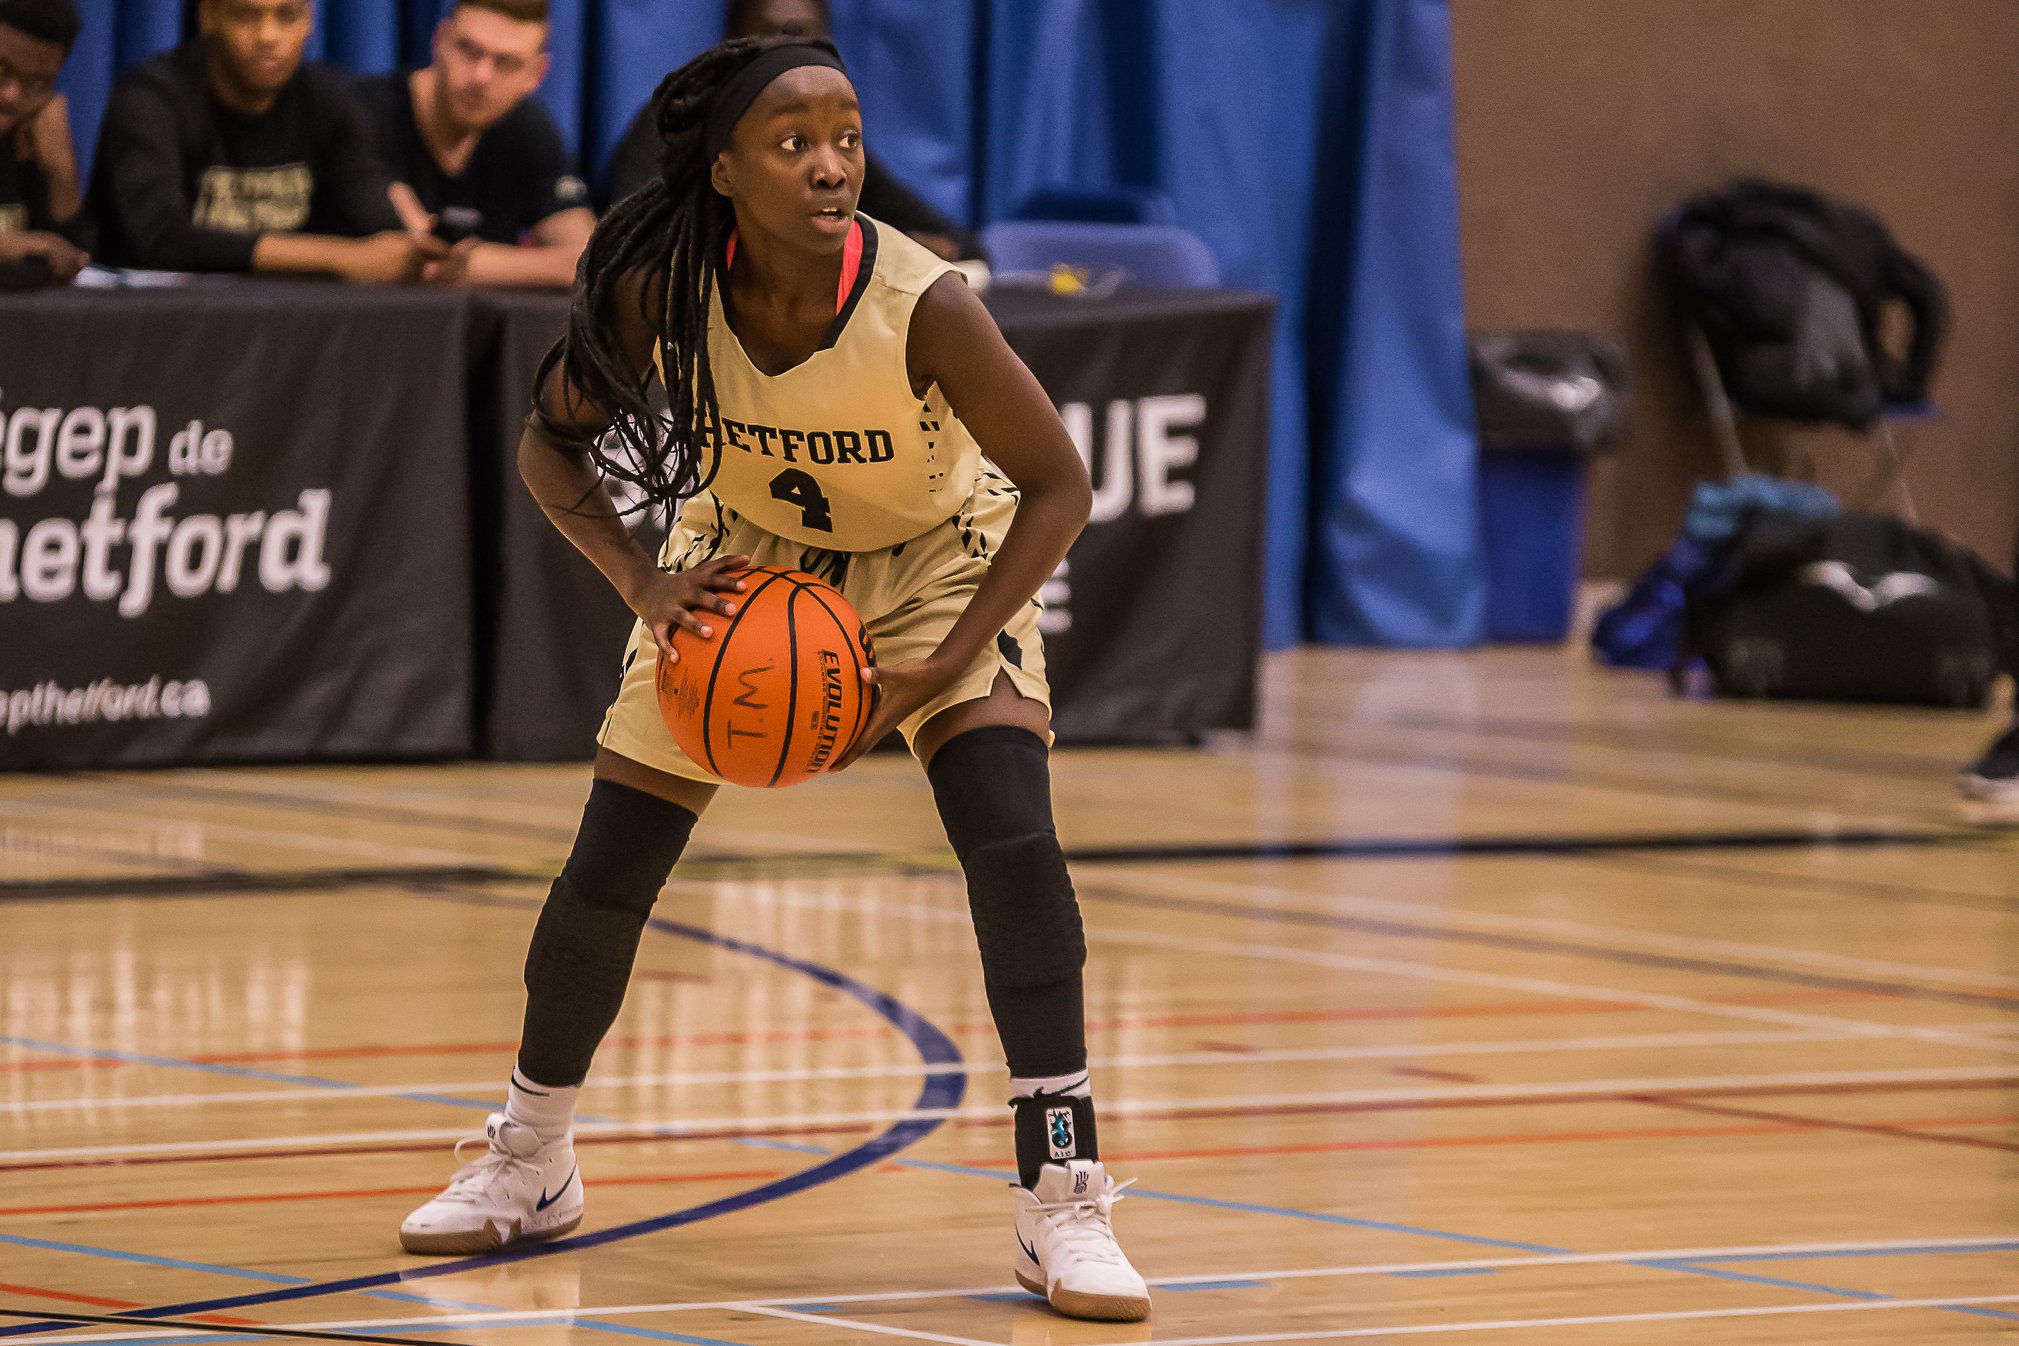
<point x="795" y="487"/>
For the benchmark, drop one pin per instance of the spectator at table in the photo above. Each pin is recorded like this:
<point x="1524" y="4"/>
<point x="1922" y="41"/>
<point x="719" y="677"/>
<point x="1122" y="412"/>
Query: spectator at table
<point x="636" y="158"/>
<point x="463" y="133"/>
<point x="229" y="153"/>
<point x="41" y="215"/>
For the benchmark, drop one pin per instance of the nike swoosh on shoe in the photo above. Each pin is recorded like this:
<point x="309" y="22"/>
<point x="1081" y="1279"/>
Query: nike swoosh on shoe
<point x="546" y="1201"/>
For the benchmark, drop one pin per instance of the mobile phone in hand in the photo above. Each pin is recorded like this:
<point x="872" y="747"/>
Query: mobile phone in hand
<point x="457" y="223"/>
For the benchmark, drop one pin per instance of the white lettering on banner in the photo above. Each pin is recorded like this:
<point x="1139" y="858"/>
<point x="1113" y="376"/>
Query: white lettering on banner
<point x="1138" y="462"/>
<point x="1163" y="453"/>
<point x="155" y="699"/>
<point x="133" y="559"/>
<point x="1136" y="465"/>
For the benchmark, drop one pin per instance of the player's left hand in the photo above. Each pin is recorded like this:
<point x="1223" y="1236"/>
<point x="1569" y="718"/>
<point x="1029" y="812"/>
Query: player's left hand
<point x="900" y="689"/>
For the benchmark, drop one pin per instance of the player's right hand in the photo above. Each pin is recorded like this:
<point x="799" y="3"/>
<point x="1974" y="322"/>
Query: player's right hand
<point x="685" y="598"/>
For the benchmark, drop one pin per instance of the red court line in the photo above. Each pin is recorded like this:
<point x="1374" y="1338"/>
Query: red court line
<point x="984" y="1028"/>
<point x="1791" y="1124"/>
<point x="998" y="1123"/>
<point x="428" y="1147"/>
<point x="99" y="1302"/>
<point x="262" y="1198"/>
<point x="1891" y="1130"/>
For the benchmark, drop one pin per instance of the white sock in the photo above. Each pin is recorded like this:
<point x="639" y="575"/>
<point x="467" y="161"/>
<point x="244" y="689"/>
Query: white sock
<point x="1076" y="1085"/>
<point x="549" y="1111"/>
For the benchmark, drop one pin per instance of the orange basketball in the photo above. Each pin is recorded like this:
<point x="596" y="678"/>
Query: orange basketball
<point x="776" y="694"/>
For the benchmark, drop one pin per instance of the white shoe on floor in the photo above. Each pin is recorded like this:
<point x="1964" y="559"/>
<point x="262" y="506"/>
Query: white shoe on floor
<point x="1066" y="1249"/>
<point x="519" y="1191"/>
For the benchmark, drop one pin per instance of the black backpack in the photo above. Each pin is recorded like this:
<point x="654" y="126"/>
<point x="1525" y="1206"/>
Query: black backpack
<point x="1852" y="608"/>
<point x="1789" y="288"/>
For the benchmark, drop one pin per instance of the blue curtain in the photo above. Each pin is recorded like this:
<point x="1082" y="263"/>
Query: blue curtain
<point x="1309" y="142"/>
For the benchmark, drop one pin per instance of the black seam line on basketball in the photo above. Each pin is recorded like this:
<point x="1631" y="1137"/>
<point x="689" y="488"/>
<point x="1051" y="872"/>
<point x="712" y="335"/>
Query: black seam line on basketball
<point x="943" y="1086"/>
<point x="849" y="638"/>
<point x="1400" y="929"/>
<point x="852" y="641"/>
<point x="792" y="682"/>
<point x="715" y="671"/>
<point x="68" y="1320"/>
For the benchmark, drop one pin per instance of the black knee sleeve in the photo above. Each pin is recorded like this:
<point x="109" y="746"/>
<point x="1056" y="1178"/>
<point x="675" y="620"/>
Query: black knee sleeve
<point x="587" y="936"/>
<point x="1026" y="918"/>
<point x="991" y="784"/>
<point x="993" y="788"/>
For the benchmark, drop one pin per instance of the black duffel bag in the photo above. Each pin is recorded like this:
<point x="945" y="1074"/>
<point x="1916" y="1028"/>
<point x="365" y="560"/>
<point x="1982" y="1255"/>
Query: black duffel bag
<point x="1853" y="608"/>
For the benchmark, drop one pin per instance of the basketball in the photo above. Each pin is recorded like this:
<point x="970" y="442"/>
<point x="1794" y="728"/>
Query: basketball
<point x="776" y="694"/>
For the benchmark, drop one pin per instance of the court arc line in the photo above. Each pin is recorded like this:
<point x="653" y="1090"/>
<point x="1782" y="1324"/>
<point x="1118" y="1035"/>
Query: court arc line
<point x="940" y="1092"/>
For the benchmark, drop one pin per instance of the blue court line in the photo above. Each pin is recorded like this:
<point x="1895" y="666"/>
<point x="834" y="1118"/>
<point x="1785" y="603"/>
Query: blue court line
<point x="1216" y="1285"/>
<point x="1687" y="1267"/>
<point x="217" y="1068"/>
<point x="940" y="1090"/>
<point x="1446" y="1271"/>
<point x="1904" y="1250"/>
<point x="1775" y="1281"/>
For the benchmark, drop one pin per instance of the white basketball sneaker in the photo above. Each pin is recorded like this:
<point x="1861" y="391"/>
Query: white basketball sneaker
<point x="521" y="1190"/>
<point x="1066" y="1249"/>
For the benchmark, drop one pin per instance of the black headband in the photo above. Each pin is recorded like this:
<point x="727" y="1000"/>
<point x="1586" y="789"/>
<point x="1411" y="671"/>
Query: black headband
<point x="743" y="88"/>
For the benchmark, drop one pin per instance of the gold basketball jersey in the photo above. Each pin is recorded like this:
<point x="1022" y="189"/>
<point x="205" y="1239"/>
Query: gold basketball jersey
<point x="838" y="452"/>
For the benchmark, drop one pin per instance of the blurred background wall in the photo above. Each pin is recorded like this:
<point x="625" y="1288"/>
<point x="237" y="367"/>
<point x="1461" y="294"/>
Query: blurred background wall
<point x="1581" y="121"/>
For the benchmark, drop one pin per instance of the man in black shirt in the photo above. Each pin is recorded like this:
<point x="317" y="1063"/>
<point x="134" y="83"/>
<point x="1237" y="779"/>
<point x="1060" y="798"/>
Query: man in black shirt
<point x="230" y="154"/>
<point x="635" y="161"/>
<point x="464" y="133"/>
<point x="39" y="208"/>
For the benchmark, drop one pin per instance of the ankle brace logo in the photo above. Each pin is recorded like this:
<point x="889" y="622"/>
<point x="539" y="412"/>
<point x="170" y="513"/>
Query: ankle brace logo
<point x="1059" y="1130"/>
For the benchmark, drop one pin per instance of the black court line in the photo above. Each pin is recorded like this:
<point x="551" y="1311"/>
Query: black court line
<point x="1837" y="761"/>
<point x="1584" y="776"/>
<point x="206" y="1329"/>
<point x="1829" y="885"/>
<point x="227" y="882"/>
<point x="1605" y="953"/>
<point x="1452" y="848"/>
<point x="316" y="804"/>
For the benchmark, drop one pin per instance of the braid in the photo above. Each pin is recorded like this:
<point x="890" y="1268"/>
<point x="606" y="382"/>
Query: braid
<point x="673" y="232"/>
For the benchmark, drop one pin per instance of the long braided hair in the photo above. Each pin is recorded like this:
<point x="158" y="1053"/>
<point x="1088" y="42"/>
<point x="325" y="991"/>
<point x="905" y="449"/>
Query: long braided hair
<point x="673" y="233"/>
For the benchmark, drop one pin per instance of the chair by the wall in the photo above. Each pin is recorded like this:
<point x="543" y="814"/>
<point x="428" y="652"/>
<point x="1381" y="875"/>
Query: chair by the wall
<point x="1150" y="254"/>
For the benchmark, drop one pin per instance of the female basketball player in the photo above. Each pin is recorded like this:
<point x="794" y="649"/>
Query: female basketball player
<point x="833" y="387"/>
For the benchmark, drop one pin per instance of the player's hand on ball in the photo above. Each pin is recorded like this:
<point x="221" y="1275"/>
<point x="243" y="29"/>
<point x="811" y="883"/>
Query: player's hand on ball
<point x="900" y="690"/>
<point x="687" y="598"/>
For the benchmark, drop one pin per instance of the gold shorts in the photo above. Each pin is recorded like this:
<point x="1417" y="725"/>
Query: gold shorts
<point x="909" y="596"/>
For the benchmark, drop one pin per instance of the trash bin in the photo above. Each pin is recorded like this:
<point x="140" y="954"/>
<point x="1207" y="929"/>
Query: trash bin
<point x="1546" y="402"/>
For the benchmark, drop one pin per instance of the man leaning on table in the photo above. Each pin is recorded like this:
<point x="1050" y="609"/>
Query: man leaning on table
<point x="40" y="214"/>
<point x="232" y="154"/>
